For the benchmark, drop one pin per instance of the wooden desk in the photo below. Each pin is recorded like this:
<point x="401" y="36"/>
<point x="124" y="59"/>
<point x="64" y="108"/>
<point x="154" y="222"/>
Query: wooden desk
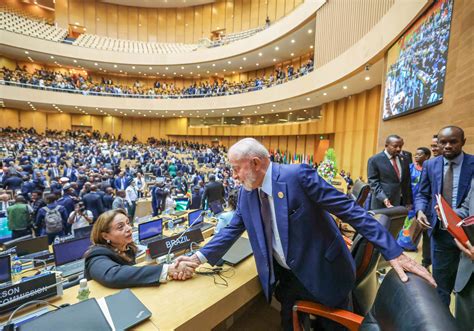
<point x="195" y="304"/>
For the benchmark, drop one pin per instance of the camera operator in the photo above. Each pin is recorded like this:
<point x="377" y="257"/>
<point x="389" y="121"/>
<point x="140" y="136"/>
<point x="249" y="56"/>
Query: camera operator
<point x="80" y="217"/>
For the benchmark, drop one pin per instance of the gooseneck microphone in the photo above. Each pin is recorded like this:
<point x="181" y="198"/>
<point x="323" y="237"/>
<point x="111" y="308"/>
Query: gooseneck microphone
<point x="174" y="242"/>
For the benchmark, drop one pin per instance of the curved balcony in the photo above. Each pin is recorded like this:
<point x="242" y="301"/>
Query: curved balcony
<point x="297" y="19"/>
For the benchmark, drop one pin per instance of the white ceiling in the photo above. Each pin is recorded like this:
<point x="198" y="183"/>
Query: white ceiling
<point x="159" y="3"/>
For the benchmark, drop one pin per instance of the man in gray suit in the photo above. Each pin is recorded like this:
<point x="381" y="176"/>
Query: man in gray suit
<point x="464" y="284"/>
<point x="389" y="176"/>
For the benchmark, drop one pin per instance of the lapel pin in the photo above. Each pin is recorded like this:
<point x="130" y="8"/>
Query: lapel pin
<point x="280" y="195"/>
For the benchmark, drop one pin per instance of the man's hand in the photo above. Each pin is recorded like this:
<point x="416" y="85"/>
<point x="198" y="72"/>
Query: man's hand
<point x="423" y="220"/>
<point x="182" y="271"/>
<point x="387" y="203"/>
<point x="404" y="263"/>
<point x="469" y="251"/>
<point x="192" y="259"/>
<point x="438" y="211"/>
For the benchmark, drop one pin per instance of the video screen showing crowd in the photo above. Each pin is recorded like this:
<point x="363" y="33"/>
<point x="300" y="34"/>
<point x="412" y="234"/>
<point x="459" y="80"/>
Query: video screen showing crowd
<point x="73" y="177"/>
<point x="417" y="63"/>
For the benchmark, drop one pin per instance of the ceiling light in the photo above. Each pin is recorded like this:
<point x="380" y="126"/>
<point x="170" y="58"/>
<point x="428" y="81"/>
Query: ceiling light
<point x="325" y="93"/>
<point x="274" y="60"/>
<point x="198" y="66"/>
<point x="310" y="31"/>
<point x="243" y="108"/>
<point x="273" y="106"/>
<point x="115" y="66"/>
<point x="96" y="64"/>
<point x="344" y="87"/>
<point x="166" y="68"/>
<point x="75" y="61"/>
<point x="245" y="59"/>
<point x="240" y="68"/>
<point x="229" y="62"/>
<point x="213" y="64"/>
<point x="292" y="54"/>
<point x="260" y="54"/>
<point x="233" y="72"/>
<point x="255" y="112"/>
<point x="257" y="64"/>
<point x="26" y="52"/>
<point x="150" y="68"/>
<point x="182" y="68"/>
<point x="367" y="78"/>
<point x="289" y="108"/>
<point x="52" y="57"/>
<point x="174" y="73"/>
<point x="307" y="99"/>
<point x="292" y="41"/>
<point x="133" y="67"/>
<point x="238" y="113"/>
<point x="277" y="48"/>
<point x="121" y="70"/>
<point x="311" y="46"/>
<point x="207" y="71"/>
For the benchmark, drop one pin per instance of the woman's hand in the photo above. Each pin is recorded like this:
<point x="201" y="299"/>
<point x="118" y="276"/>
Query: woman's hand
<point x="182" y="271"/>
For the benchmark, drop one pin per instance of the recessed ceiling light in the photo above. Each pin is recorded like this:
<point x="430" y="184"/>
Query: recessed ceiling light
<point x="133" y="67"/>
<point x="292" y="41"/>
<point x="174" y="73"/>
<point x="75" y="61"/>
<point x="207" y="71"/>
<point x="166" y="68"/>
<point x="198" y="66"/>
<point x="307" y="99"/>
<point x="52" y="57"/>
<point x="182" y="68"/>
<point x="292" y="54"/>
<point x="344" y="87"/>
<point x="254" y="111"/>
<point x="289" y="108"/>
<point x="243" y="108"/>
<point x="273" y="105"/>
<point x="121" y="70"/>
<point x="311" y="46"/>
<point x="26" y="52"/>
<point x="213" y="64"/>
<point x="96" y="64"/>
<point x="245" y="59"/>
<point x="233" y="72"/>
<point x="139" y="72"/>
<point x="229" y="62"/>
<point x="274" y="60"/>
<point x="238" y="113"/>
<point x="367" y="78"/>
<point x="190" y="72"/>
<point x="115" y="66"/>
<point x="240" y="68"/>
<point x="325" y="93"/>
<point x="310" y="31"/>
<point x="257" y="64"/>
<point x="260" y="54"/>
<point x="277" y="48"/>
<point x="150" y="68"/>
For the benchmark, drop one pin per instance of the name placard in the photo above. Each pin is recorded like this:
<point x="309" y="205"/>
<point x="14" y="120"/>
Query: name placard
<point x="162" y="246"/>
<point x="38" y="288"/>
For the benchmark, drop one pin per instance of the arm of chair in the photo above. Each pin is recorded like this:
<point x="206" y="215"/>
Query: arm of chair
<point x="346" y="318"/>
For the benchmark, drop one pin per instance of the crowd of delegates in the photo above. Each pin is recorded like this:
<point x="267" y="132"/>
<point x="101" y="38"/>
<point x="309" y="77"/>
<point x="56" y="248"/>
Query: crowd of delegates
<point x="417" y="77"/>
<point x="87" y="85"/>
<point x="67" y="179"/>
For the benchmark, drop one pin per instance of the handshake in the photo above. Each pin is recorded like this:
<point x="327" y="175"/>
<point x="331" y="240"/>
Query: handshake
<point x="183" y="267"/>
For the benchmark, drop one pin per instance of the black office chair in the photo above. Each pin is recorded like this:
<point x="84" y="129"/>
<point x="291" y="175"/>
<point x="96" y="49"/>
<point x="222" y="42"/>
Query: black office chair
<point x="414" y="305"/>
<point x="360" y="191"/>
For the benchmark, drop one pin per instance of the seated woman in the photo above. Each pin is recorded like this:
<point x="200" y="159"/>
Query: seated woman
<point x="225" y="217"/>
<point x="111" y="258"/>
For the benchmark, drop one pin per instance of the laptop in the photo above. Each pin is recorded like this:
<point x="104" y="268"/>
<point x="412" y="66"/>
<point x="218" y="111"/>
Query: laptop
<point x="195" y="220"/>
<point x="5" y="270"/>
<point x="84" y="232"/>
<point x="216" y="207"/>
<point x="34" y="248"/>
<point x="125" y="309"/>
<point x="150" y="231"/>
<point x="239" y="251"/>
<point x="69" y="256"/>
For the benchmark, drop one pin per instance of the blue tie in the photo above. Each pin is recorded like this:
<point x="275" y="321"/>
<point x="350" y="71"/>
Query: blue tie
<point x="266" y="213"/>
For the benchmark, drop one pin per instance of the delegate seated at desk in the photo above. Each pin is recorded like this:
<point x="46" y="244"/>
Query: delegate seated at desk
<point x="111" y="258"/>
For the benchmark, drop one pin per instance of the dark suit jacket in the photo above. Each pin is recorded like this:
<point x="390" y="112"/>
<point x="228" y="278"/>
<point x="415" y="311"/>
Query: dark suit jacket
<point x="312" y="243"/>
<point x="108" y="200"/>
<point x="93" y="202"/>
<point x="384" y="182"/>
<point x="109" y="269"/>
<point x="466" y="266"/>
<point x="213" y="191"/>
<point x="431" y="183"/>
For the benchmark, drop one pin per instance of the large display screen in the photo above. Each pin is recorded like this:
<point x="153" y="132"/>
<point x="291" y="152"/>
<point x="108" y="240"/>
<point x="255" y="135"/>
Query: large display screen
<point x="416" y="63"/>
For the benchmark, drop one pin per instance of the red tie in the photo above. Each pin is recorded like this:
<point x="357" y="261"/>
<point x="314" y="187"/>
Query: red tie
<point x="395" y="166"/>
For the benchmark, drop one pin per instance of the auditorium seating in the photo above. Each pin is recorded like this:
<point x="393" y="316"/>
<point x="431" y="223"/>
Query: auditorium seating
<point x="14" y="22"/>
<point x="229" y="38"/>
<point x="132" y="46"/>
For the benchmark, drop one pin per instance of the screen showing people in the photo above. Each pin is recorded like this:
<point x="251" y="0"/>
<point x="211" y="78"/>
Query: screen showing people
<point x="416" y="63"/>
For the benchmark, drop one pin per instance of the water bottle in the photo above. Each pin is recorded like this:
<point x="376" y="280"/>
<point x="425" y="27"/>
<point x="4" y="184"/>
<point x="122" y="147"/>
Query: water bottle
<point x="170" y="225"/>
<point x="17" y="268"/>
<point x="83" y="292"/>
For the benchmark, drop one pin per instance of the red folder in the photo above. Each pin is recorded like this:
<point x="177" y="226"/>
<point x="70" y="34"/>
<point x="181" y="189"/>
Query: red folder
<point x="450" y="220"/>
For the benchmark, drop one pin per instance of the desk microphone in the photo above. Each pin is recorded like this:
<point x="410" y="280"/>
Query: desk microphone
<point x="34" y="260"/>
<point x="174" y="242"/>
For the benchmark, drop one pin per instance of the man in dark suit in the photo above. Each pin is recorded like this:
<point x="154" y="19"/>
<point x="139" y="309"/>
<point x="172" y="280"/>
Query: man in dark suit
<point x="213" y="191"/>
<point x="298" y="249"/>
<point x="53" y="171"/>
<point x="157" y="194"/>
<point x="93" y="202"/>
<point x="389" y="176"/>
<point x="464" y="284"/>
<point x="449" y="175"/>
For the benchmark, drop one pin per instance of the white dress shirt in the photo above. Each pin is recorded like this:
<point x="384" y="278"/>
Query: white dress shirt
<point x="276" y="240"/>
<point x="399" y="164"/>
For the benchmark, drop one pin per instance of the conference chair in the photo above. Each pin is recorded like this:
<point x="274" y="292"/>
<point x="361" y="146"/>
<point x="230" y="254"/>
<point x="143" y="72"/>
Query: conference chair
<point x="360" y="191"/>
<point x="397" y="217"/>
<point x="414" y="305"/>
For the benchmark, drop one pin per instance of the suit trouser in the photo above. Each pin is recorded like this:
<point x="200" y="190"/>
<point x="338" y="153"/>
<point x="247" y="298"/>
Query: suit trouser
<point x="465" y="306"/>
<point x="445" y="258"/>
<point x="426" y="249"/>
<point x="288" y="290"/>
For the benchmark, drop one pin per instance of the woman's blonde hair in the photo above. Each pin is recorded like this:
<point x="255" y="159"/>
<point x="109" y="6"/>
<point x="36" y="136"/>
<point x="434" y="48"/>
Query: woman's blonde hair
<point x="103" y="224"/>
